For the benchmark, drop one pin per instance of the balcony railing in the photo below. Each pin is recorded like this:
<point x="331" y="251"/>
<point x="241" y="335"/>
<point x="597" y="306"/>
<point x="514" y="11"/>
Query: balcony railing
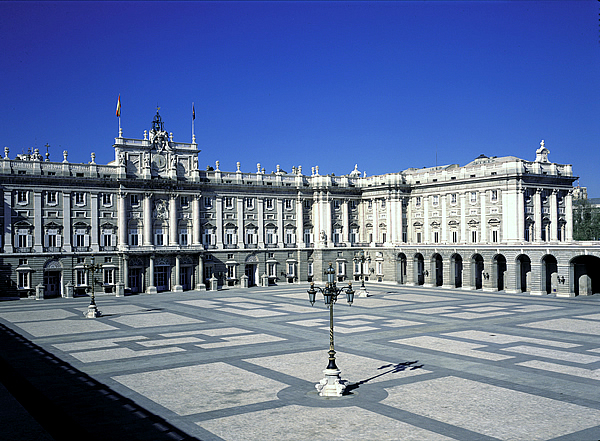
<point x="53" y="249"/>
<point x="289" y="245"/>
<point x="23" y="249"/>
<point x="81" y="249"/>
<point x="230" y="246"/>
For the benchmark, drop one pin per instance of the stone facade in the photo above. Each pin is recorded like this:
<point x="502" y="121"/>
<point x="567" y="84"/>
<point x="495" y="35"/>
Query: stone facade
<point x="156" y="222"/>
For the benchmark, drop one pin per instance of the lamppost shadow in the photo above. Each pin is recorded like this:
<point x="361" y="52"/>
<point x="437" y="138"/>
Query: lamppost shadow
<point x="392" y="369"/>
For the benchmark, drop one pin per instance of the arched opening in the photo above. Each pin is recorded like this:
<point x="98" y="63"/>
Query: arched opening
<point x="549" y="274"/>
<point x="53" y="278"/>
<point x="477" y="271"/>
<point x="500" y="270"/>
<point x="419" y="266"/>
<point x="523" y="272"/>
<point x="437" y="268"/>
<point x="401" y="268"/>
<point x="456" y="266"/>
<point x="585" y="272"/>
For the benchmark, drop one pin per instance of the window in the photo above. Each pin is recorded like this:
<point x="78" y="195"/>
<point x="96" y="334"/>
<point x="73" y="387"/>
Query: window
<point x="271" y="236"/>
<point x="352" y="205"/>
<point x="353" y="235"/>
<point x="383" y="203"/>
<point x="272" y="269"/>
<point x="134" y="200"/>
<point x="230" y="236"/>
<point x="288" y="204"/>
<point x="474" y="236"/>
<point x="436" y="236"/>
<point x="308" y="239"/>
<point x="269" y="204"/>
<point x="337" y="235"/>
<point x="231" y="271"/>
<point x="379" y="266"/>
<point x="183" y="237"/>
<point x="291" y="269"/>
<point x="494" y="236"/>
<point x="473" y="196"/>
<point x="23" y="279"/>
<point x="52" y="197"/>
<point x="158" y="236"/>
<point x="184" y="201"/>
<point x="109" y="276"/>
<point x="22" y="196"/>
<point x="455" y="236"/>
<point x="341" y="268"/>
<point x="207" y="237"/>
<point x="228" y="202"/>
<point x="369" y="204"/>
<point x="436" y="200"/>
<point x="290" y="236"/>
<point x="250" y="237"/>
<point x="107" y="199"/>
<point x="418" y="201"/>
<point x="134" y="237"/>
<point x="336" y="204"/>
<point x="419" y="237"/>
<point x="23" y="238"/>
<point x="494" y="196"/>
<point x="79" y="198"/>
<point x="52" y="238"/>
<point x="453" y="198"/>
<point x="207" y="202"/>
<point x="306" y="203"/>
<point x="80" y="277"/>
<point x="249" y="203"/>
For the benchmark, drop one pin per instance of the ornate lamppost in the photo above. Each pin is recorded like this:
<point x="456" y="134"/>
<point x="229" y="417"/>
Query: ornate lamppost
<point x="360" y="258"/>
<point x="92" y="268"/>
<point x="332" y="385"/>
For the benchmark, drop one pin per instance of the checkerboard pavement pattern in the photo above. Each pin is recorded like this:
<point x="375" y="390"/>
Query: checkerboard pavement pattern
<point x="421" y="364"/>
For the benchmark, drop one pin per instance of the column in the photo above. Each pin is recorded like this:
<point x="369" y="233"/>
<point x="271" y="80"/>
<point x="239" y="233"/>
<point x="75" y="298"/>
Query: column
<point x="537" y="215"/>
<point x="569" y="216"/>
<point x="375" y="222"/>
<point x="125" y="261"/>
<point x="410" y="271"/>
<point x="316" y="216"/>
<point x="261" y="222"/>
<point x="219" y="210"/>
<point x="150" y="288"/>
<point x="122" y="216"/>
<point x="173" y="239"/>
<point x="8" y="236"/>
<point x="240" y="222"/>
<point x="399" y="222"/>
<point x="388" y="220"/>
<point x="510" y="281"/>
<point x="463" y="218"/>
<point x="95" y="220"/>
<point x="196" y="233"/>
<point x="426" y="226"/>
<point x="327" y="219"/>
<point x="200" y="286"/>
<point x="392" y="221"/>
<point x="467" y="274"/>
<point x="536" y="279"/>
<point x="299" y="223"/>
<point x="38" y="227"/>
<point x="148" y="220"/>
<point x="280" y="232"/>
<point x="362" y="233"/>
<point x="345" y="222"/>
<point x="444" y="198"/>
<point x="521" y="213"/>
<point x="554" y="216"/>
<point x="409" y="220"/>
<point x="484" y="233"/>
<point x="448" y="274"/>
<point x="66" y="240"/>
<point x="177" y="287"/>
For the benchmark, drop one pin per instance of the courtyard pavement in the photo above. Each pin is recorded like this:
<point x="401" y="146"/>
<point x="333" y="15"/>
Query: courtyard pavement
<point x="241" y="364"/>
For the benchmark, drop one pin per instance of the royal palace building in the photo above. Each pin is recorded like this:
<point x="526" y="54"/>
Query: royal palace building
<point x="153" y="221"/>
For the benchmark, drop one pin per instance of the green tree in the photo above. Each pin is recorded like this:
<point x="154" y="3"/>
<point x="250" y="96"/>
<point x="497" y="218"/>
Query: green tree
<point x="586" y="221"/>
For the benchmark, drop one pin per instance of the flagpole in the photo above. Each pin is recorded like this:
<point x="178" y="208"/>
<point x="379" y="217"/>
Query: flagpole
<point x="193" y="119"/>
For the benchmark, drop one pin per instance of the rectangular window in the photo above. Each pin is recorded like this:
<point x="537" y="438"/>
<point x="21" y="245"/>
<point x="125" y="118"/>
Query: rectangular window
<point x="207" y="202"/>
<point x="134" y="200"/>
<point x="79" y="198"/>
<point x="207" y="237"/>
<point x="494" y="196"/>
<point x="272" y="269"/>
<point x="418" y="201"/>
<point x="308" y="236"/>
<point x="230" y="236"/>
<point x="341" y="268"/>
<point x="107" y="239"/>
<point x="109" y="276"/>
<point x="250" y="236"/>
<point x="271" y="237"/>
<point x="228" y="202"/>
<point x="133" y="237"/>
<point x="337" y="235"/>
<point x="52" y="197"/>
<point x="291" y="272"/>
<point x="269" y="204"/>
<point x="354" y="235"/>
<point x="183" y="237"/>
<point x="453" y="198"/>
<point x="473" y="196"/>
<point x="494" y="235"/>
<point x="418" y="237"/>
<point x="249" y="203"/>
<point x="158" y="237"/>
<point x="23" y="279"/>
<point x="230" y="271"/>
<point x="383" y="203"/>
<point x="369" y="204"/>
<point x="306" y="203"/>
<point x="106" y="199"/>
<point x="436" y="237"/>
<point x="352" y="205"/>
<point x="288" y="204"/>
<point x="436" y="200"/>
<point x="80" y="277"/>
<point x="290" y="237"/>
<point x="22" y="196"/>
<point x="184" y="201"/>
<point x="474" y="236"/>
<point x="336" y="204"/>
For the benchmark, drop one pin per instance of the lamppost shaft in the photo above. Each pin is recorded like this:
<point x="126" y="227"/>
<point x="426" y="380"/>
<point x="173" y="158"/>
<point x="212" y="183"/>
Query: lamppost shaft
<point x="331" y="364"/>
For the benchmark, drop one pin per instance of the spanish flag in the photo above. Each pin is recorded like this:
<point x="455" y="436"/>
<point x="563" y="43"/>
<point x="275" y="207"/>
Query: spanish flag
<point x="119" y="106"/>
<point x="193" y="112"/>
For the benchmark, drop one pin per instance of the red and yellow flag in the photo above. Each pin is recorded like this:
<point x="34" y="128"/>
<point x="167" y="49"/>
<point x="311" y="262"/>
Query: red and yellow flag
<point x="119" y="106"/>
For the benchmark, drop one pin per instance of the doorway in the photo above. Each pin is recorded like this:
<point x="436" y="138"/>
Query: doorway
<point x="52" y="283"/>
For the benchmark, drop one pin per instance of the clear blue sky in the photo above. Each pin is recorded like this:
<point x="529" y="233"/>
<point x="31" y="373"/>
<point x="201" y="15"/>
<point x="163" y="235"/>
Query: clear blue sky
<point x="382" y="84"/>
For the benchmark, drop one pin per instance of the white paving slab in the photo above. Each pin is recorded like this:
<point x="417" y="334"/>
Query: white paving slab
<point x="253" y="312"/>
<point x="74" y="326"/>
<point x="121" y="353"/>
<point x="238" y="340"/>
<point x="450" y="347"/>
<point x="572" y="357"/>
<point x="491" y="410"/>
<point x="593" y="374"/>
<point x="36" y="315"/>
<point x="294" y="423"/>
<point x="567" y="325"/>
<point x="152" y="319"/>
<point x="201" y="388"/>
<point x="502" y="339"/>
<point x="96" y="344"/>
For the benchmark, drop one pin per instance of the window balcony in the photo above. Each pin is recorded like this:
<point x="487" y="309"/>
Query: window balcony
<point x="230" y="246"/>
<point x="289" y="245"/>
<point x="23" y="249"/>
<point x="53" y="249"/>
<point x="81" y="249"/>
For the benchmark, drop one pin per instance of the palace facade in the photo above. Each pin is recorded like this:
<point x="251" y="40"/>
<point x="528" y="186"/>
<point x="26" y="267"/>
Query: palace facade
<point x="156" y="222"/>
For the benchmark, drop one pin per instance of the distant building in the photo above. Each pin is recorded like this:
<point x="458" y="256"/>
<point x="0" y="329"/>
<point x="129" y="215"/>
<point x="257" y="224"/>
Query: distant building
<point x="156" y="222"/>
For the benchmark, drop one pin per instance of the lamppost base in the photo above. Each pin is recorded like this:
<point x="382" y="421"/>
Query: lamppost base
<point x="363" y="292"/>
<point x="332" y="385"/>
<point x="92" y="312"/>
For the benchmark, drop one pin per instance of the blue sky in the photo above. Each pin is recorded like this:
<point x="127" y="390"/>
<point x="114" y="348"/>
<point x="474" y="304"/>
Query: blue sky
<point x="386" y="85"/>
